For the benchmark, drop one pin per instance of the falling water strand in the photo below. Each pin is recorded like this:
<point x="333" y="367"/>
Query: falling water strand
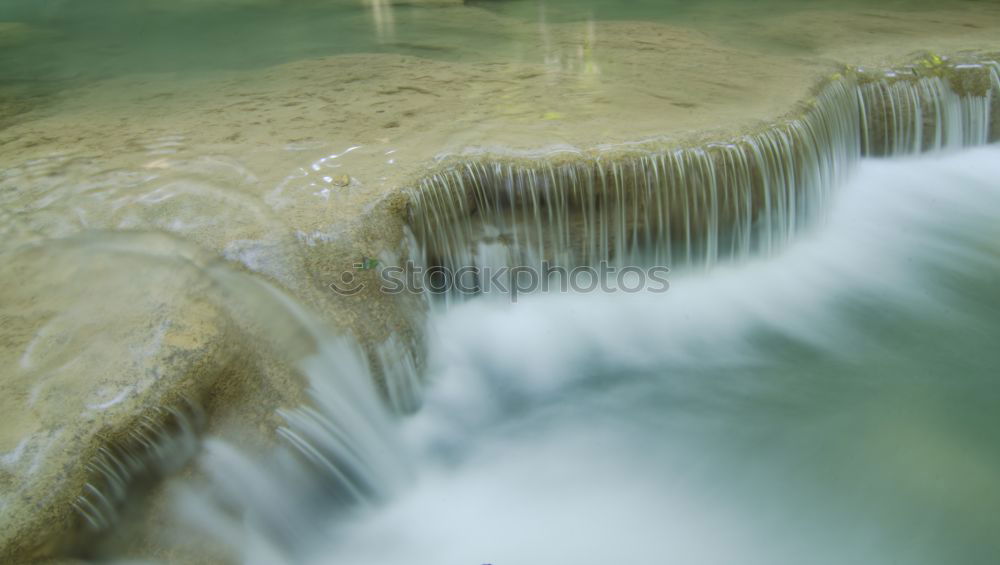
<point x="995" y="94"/>
<point x="401" y="374"/>
<point x="159" y="443"/>
<point x="694" y="206"/>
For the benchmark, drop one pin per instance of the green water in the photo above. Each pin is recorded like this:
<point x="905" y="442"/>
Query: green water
<point x="102" y="38"/>
<point x="53" y="46"/>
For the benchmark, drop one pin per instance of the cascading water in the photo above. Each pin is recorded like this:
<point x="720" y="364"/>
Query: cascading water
<point x="342" y="454"/>
<point x="203" y="201"/>
<point x="697" y="205"/>
<point x="831" y="404"/>
<point x="827" y="404"/>
<point x="340" y="450"/>
<point x="160" y="444"/>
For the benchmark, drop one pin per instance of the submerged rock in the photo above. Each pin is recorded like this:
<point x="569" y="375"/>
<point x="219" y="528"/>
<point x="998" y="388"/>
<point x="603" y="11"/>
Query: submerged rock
<point x="15" y="33"/>
<point x="100" y="345"/>
<point x="115" y="347"/>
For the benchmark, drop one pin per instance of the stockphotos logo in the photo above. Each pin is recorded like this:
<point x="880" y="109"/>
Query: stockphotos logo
<point x="504" y="281"/>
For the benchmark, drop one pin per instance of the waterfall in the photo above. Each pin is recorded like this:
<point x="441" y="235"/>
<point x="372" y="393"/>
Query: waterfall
<point x="341" y="453"/>
<point x="159" y="444"/>
<point x="340" y="448"/>
<point x="689" y="206"/>
<point x="697" y="205"/>
<point x="345" y="432"/>
<point x="832" y="404"/>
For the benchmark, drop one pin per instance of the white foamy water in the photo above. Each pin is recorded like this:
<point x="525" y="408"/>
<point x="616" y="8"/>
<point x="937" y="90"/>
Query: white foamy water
<point x="836" y="403"/>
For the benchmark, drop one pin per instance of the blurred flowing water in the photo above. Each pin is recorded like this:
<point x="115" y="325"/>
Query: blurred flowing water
<point x="692" y="206"/>
<point x="828" y="398"/>
<point x="835" y="403"/>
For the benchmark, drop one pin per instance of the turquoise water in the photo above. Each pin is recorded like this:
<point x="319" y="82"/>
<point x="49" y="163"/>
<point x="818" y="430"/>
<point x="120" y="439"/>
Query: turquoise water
<point x="102" y="38"/>
<point x="53" y="46"/>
